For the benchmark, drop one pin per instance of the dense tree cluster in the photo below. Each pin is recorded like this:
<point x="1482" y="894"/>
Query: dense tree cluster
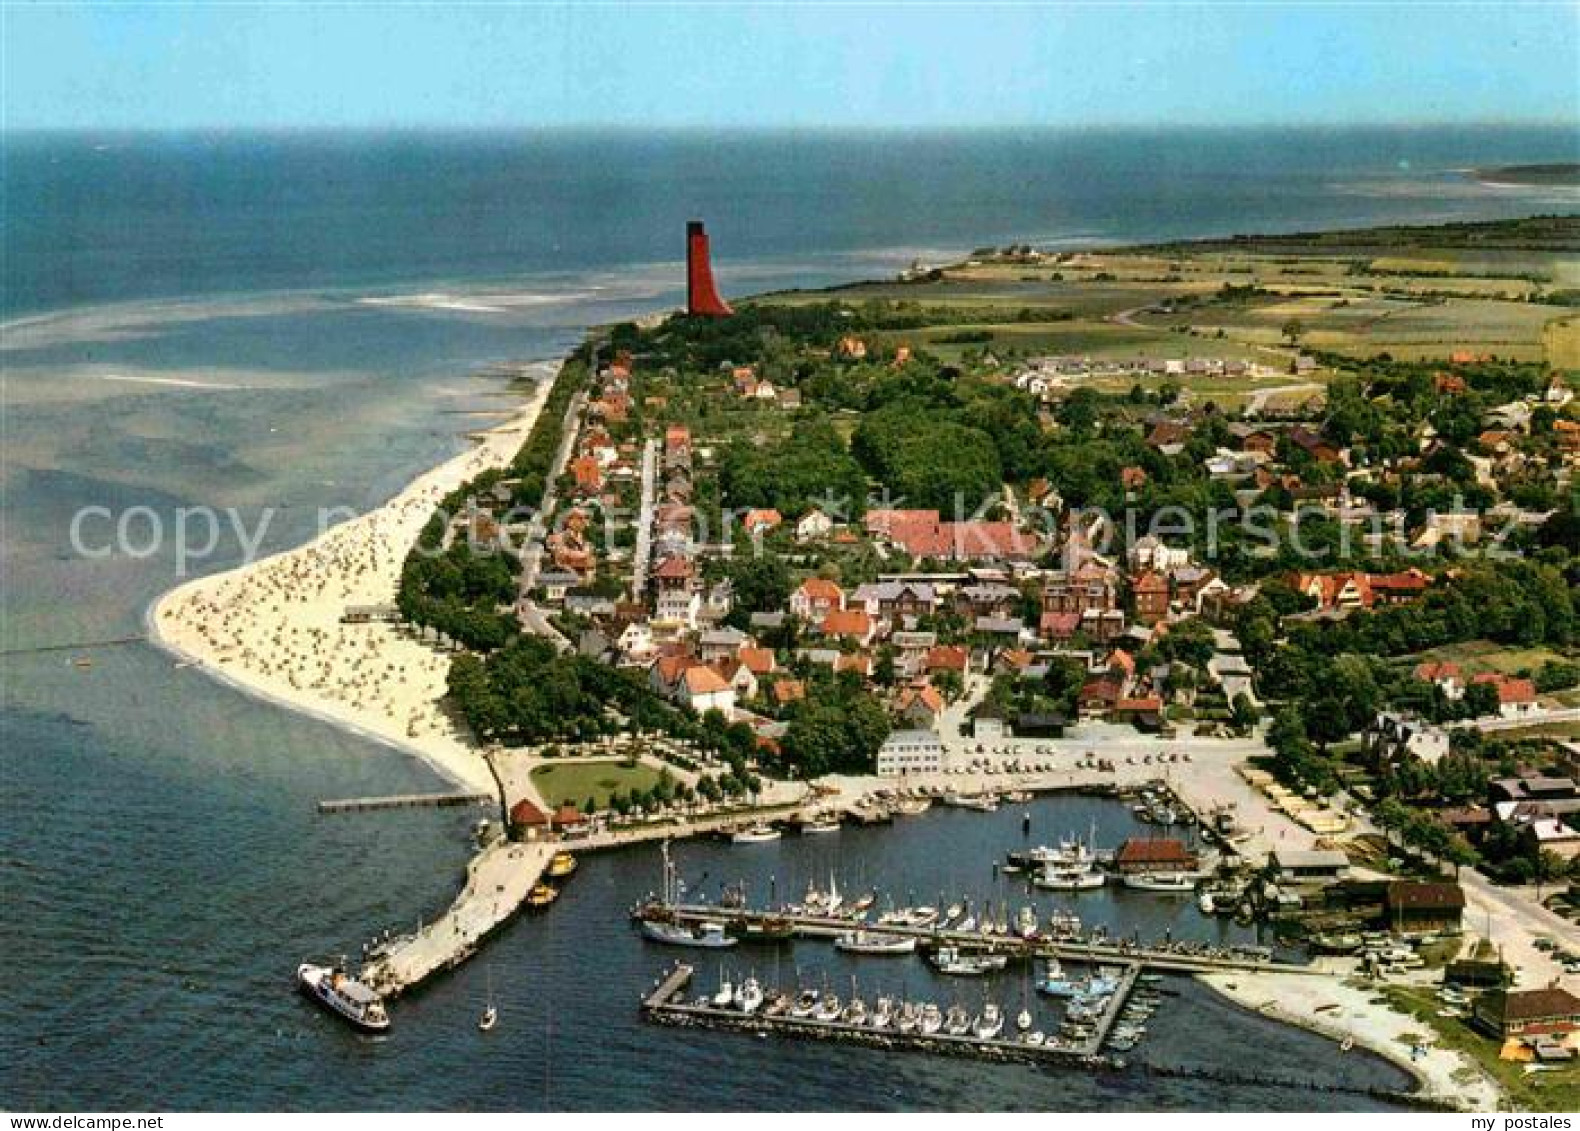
<point x="805" y="469"/>
<point x="837" y="728"/>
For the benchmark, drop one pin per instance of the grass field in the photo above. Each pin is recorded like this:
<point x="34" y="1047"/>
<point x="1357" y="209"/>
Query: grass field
<point x="1476" y="656"/>
<point x="1561" y="341"/>
<point x="575" y="782"/>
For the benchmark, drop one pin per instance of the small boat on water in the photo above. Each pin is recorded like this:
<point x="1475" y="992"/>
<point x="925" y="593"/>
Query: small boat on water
<point x="749" y="997"/>
<point x="708" y="936"/>
<point x="352" y="1001"/>
<point x="827" y="1009"/>
<point x="562" y="864"/>
<point x="726" y="994"/>
<point x="816" y="826"/>
<point x="882" y="1015"/>
<point x="932" y="1019"/>
<point x="989" y="1023"/>
<point x="950" y="960"/>
<point x="874" y="942"/>
<point x="978" y="802"/>
<point x="1178" y="883"/>
<point x="805" y="1004"/>
<point x="957" y="1022"/>
<point x="490" y="1014"/>
<point x="542" y="895"/>
<point x="912" y="806"/>
<point x="755" y="834"/>
<point x="1069" y="878"/>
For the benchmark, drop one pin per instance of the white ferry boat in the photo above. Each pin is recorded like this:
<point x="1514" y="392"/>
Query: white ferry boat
<point x="344" y="996"/>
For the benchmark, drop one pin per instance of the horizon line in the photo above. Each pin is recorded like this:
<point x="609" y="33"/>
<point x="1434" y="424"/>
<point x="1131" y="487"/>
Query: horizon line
<point x="1313" y="125"/>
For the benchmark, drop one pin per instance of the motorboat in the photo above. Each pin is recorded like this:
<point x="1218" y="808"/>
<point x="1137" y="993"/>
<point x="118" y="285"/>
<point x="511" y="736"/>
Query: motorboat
<point x="542" y="895"/>
<point x="816" y="826"/>
<point x="989" y="1023"/>
<point x="805" y="1004"/>
<point x="755" y="834"/>
<point x="932" y="1019"/>
<point x="1069" y="878"/>
<point x="707" y="935"/>
<point x="352" y="1001"/>
<point x="749" y="998"/>
<point x="1056" y="983"/>
<point x="1026" y="922"/>
<point x="725" y="997"/>
<point x="957" y="1022"/>
<point x="1176" y="883"/>
<point x="950" y="960"/>
<point x="827" y="1009"/>
<point x="561" y="865"/>
<point x="876" y="943"/>
<point x="912" y="806"/>
<point x="908" y="1018"/>
<point x="882" y="1015"/>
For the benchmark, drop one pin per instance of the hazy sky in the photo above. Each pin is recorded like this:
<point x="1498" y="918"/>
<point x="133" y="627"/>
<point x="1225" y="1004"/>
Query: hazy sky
<point x="808" y="64"/>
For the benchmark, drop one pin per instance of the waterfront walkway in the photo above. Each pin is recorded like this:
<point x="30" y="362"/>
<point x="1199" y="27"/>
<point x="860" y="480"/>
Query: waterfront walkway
<point x="497" y="882"/>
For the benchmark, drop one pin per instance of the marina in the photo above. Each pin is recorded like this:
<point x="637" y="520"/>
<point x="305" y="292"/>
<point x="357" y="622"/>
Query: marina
<point x="955" y="1033"/>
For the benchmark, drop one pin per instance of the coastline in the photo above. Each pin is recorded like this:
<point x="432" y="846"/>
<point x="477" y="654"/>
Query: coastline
<point x="271" y="628"/>
<point x="1442" y="1075"/>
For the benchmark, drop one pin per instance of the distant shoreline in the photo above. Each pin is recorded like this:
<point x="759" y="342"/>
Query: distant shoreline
<point x="1557" y="174"/>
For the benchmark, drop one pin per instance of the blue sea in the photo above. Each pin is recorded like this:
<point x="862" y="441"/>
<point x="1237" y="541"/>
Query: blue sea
<point x="290" y="321"/>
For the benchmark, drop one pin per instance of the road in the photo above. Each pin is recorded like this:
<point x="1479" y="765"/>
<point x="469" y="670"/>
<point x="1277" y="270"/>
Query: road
<point x="644" y="520"/>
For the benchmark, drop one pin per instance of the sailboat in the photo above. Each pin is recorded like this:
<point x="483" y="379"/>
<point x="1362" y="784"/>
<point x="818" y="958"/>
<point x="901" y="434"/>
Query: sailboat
<point x="490" y="1014"/>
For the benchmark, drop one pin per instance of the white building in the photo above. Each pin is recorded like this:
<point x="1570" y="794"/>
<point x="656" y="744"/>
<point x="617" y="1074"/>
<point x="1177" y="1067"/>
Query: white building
<point x="910" y="752"/>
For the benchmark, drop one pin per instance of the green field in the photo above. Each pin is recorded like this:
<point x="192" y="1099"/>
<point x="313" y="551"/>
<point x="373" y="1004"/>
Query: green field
<point x="1477" y="656"/>
<point x="575" y="782"/>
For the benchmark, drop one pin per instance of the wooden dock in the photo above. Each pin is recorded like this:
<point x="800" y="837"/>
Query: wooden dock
<point x="405" y="801"/>
<point x="750" y="924"/>
<point x="666" y="1005"/>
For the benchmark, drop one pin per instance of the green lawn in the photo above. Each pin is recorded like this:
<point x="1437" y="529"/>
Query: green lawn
<point x="577" y="781"/>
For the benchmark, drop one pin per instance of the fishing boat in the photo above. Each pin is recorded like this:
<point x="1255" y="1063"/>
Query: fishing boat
<point x="989" y="1023"/>
<point x="949" y="960"/>
<point x="542" y="895"/>
<point x="708" y="936"/>
<point x="561" y="865"/>
<point x="1178" y="883"/>
<point x="1068" y="878"/>
<point x="755" y="834"/>
<point x="1056" y="983"/>
<point x="350" y="1000"/>
<point x="872" y="942"/>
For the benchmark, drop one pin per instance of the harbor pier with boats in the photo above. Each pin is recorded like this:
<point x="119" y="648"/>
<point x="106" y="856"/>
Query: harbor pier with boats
<point x="923" y="1026"/>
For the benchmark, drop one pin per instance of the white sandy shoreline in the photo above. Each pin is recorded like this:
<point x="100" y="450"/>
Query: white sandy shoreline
<point x="272" y="628"/>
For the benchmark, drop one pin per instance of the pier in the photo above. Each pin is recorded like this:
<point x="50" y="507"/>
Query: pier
<point x="666" y="1005"/>
<point x="497" y="882"/>
<point x="749" y="924"/>
<point x="404" y="801"/>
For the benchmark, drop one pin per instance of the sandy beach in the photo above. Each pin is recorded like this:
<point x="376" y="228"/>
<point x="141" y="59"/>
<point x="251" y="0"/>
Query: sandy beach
<point x="273" y="627"/>
<point x="1341" y="1009"/>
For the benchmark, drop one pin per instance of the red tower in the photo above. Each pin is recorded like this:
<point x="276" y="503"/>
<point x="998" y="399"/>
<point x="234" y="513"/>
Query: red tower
<point x="702" y="296"/>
